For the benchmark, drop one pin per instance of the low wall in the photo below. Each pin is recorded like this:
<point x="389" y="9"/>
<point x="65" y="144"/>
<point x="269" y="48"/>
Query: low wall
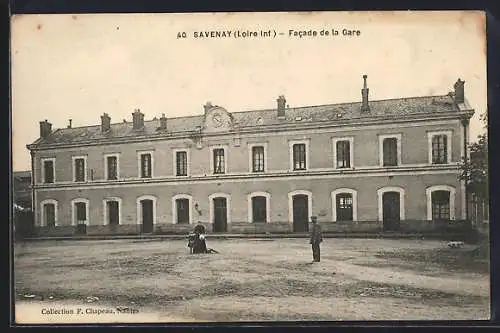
<point x="259" y="228"/>
<point x="344" y="227"/>
<point x="59" y="231"/>
<point x="375" y="227"/>
<point x="122" y="229"/>
<point x="172" y="229"/>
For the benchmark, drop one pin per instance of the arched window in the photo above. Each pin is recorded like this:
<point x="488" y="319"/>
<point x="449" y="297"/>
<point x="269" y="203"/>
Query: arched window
<point x="344" y="204"/>
<point x="440" y="202"/>
<point x="49" y="212"/>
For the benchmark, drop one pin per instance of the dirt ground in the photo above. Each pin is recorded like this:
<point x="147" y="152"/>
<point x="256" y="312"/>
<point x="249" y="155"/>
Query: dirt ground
<point x="249" y="280"/>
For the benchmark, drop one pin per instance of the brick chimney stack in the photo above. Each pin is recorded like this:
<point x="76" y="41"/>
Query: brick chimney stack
<point x="70" y="122"/>
<point x="281" y="106"/>
<point x="163" y="122"/>
<point x="459" y="91"/>
<point x="138" y="119"/>
<point x="45" y="129"/>
<point x="105" y="123"/>
<point x="365" y="107"/>
<point x="207" y="106"/>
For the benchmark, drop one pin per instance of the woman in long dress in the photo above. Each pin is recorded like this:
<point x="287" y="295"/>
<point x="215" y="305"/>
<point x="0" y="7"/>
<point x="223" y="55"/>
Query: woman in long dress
<point x="199" y="244"/>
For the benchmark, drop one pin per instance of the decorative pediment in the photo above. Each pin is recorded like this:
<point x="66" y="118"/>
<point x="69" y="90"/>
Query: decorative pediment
<point x="217" y="119"/>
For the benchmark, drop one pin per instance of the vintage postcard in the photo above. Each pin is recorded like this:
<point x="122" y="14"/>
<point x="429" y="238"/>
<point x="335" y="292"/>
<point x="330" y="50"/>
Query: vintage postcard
<point x="232" y="167"/>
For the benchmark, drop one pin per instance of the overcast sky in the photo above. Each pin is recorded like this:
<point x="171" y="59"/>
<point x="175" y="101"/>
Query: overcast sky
<point x="79" y="66"/>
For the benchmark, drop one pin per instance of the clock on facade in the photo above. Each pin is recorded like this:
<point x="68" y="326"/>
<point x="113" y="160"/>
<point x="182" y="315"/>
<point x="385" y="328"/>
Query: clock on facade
<point x="217" y="119"/>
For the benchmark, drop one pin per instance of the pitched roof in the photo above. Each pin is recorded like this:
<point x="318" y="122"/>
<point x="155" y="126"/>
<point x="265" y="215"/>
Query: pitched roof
<point x="382" y="109"/>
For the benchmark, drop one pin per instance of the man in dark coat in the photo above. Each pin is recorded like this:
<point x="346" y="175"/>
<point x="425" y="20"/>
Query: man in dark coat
<point x="316" y="239"/>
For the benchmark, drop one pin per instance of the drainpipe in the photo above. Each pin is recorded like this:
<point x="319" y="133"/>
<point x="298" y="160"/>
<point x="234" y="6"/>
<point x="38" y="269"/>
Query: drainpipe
<point x="33" y="202"/>
<point x="465" y="123"/>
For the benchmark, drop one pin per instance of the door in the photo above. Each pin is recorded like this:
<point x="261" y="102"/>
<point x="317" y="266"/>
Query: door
<point x="81" y="212"/>
<point x="391" y="216"/>
<point x="50" y="215"/>
<point x="113" y="213"/>
<point x="182" y="211"/>
<point x="147" y="216"/>
<point x="300" y="213"/>
<point x="259" y="210"/>
<point x="220" y="215"/>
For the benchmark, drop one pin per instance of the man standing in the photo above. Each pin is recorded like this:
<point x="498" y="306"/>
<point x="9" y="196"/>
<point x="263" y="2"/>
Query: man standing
<point x="316" y="239"/>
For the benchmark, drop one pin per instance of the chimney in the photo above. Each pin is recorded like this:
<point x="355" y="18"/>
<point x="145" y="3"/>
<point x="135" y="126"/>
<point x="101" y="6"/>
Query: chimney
<point x="364" y="95"/>
<point x="138" y="119"/>
<point x="105" y="123"/>
<point x="459" y="91"/>
<point x="163" y="122"/>
<point x="70" y="122"/>
<point x="45" y="129"/>
<point x="281" y="106"/>
<point x="207" y="106"/>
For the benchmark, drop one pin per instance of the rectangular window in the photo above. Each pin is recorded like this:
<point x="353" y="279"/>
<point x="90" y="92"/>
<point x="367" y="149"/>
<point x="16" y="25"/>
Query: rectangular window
<point x="440" y="205"/>
<point x="219" y="161"/>
<point x="390" y="151"/>
<point x="439" y="149"/>
<point x="50" y="214"/>
<point x="258" y="159"/>
<point x="146" y="165"/>
<point x="81" y="212"/>
<point x="344" y="207"/>
<point x="112" y="167"/>
<point x="299" y="156"/>
<point x="181" y="163"/>
<point x="48" y="168"/>
<point x="343" y="154"/>
<point x="79" y="169"/>
<point x="182" y="210"/>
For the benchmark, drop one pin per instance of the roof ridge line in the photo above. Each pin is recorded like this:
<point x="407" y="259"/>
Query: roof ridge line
<point x="273" y="109"/>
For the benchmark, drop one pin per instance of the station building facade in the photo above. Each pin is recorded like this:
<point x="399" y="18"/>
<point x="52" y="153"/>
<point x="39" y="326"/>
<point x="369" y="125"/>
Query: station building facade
<point x="362" y="166"/>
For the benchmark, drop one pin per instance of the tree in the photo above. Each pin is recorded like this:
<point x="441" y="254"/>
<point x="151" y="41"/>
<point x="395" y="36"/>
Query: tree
<point x="474" y="168"/>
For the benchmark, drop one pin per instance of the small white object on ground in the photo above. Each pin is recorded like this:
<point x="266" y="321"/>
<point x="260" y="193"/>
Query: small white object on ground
<point x="455" y="244"/>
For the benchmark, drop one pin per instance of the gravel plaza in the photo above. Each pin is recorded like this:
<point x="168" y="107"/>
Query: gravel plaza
<point x="249" y="280"/>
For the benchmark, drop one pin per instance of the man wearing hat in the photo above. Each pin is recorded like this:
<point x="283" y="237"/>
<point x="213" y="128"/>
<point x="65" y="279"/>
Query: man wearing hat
<point x="316" y="239"/>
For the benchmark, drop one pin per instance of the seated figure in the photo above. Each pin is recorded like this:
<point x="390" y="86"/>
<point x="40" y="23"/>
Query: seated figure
<point x="196" y="241"/>
<point x="200" y="246"/>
